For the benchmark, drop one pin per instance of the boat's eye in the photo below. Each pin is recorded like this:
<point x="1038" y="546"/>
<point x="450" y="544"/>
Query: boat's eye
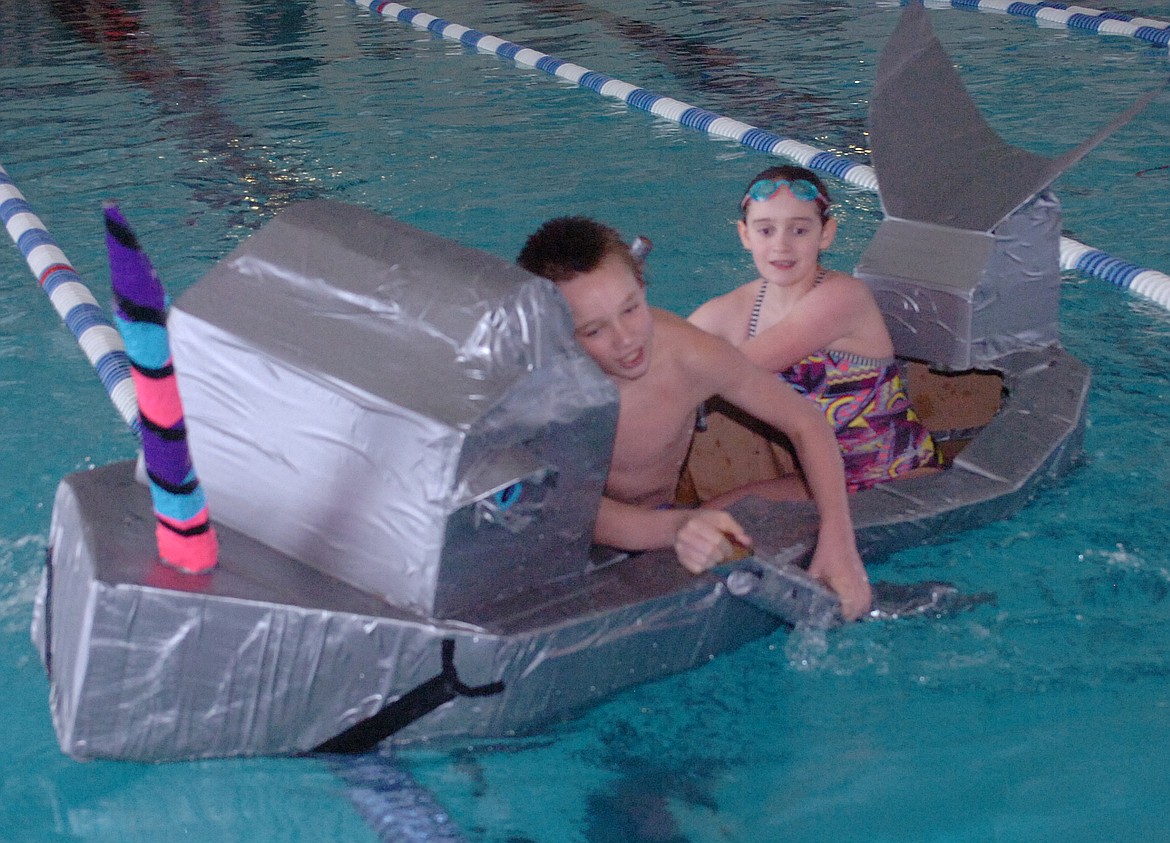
<point x="508" y="495"/>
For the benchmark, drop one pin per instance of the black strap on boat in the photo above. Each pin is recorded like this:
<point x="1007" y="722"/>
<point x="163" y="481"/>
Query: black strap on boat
<point x="446" y="686"/>
<point x="49" y="612"/>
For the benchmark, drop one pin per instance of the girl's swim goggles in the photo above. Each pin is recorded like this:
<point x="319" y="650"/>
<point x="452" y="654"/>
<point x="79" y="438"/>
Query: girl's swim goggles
<point x="765" y="189"/>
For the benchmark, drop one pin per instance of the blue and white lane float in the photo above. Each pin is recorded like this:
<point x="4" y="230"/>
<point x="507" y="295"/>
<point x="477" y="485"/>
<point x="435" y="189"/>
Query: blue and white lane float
<point x="98" y="338"/>
<point x="674" y="110"/>
<point x="397" y="808"/>
<point x="1155" y="32"/>
<point x="1073" y="255"/>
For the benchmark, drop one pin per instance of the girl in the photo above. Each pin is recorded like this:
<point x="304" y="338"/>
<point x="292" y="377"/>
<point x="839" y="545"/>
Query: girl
<point x="820" y="330"/>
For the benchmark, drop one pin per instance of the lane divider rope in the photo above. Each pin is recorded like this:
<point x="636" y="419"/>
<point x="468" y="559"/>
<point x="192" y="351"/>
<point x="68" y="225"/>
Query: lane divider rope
<point x="71" y="298"/>
<point x="1153" y="31"/>
<point x="1074" y="256"/>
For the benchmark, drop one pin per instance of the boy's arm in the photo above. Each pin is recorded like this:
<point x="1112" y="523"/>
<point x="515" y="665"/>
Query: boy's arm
<point x="701" y="538"/>
<point x="760" y="393"/>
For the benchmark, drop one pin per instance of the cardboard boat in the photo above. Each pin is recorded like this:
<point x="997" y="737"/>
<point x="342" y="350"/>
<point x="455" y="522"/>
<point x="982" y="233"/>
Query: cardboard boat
<point x="403" y="449"/>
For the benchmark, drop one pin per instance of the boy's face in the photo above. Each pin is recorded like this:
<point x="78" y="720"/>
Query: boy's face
<point x="611" y="318"/>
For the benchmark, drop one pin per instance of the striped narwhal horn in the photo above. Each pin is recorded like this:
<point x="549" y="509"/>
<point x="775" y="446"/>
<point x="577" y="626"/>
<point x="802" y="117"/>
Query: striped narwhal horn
<point x="186" y="538"/>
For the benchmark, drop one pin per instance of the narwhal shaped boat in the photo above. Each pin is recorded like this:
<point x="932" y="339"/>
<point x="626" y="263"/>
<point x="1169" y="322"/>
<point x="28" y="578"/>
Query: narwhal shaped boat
<point x="403" y="449"/>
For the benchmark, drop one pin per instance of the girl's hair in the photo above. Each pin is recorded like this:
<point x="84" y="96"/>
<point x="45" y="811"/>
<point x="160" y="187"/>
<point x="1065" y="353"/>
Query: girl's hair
<point x="565" y="247"/>
<point x="791" y="173"/>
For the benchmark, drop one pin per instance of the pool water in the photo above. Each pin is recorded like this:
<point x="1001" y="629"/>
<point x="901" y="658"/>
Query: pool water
<point x="1039" y="717"/>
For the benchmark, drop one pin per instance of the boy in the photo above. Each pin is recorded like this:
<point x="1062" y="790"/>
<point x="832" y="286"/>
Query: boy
<point x="664" y="368"/>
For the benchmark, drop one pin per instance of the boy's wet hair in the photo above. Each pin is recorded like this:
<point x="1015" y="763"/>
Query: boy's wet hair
<point x="565" y="247"/>
<point x="791" y="172"/>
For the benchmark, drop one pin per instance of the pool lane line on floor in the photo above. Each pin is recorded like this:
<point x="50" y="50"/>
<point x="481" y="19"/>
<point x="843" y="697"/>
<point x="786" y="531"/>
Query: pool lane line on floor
<point x="1080" y="18"/>
<point x="71" y="298"/>
<point x="1074" y="255"/>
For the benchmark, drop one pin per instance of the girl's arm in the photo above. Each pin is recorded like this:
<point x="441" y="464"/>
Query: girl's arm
<point x="835" y="315"/>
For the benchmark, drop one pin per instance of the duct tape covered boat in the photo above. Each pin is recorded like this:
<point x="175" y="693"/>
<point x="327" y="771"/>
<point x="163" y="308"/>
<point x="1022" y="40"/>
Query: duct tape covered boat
<point x="403" y="450"/>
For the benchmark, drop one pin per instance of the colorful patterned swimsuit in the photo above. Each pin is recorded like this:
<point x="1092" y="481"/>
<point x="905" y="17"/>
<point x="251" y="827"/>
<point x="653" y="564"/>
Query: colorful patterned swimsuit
<point x="865" y="401"/>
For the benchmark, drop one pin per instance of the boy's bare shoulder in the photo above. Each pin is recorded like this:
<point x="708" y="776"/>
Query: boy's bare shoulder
<point x="677" y="328"/>
<point x="690" y="347"/>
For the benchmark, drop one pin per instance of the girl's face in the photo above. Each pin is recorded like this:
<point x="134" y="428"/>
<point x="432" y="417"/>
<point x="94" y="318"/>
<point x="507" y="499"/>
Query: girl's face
<point x="786" y="237"/>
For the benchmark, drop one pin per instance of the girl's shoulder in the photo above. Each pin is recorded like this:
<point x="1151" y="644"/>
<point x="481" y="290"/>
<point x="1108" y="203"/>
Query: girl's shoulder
<point x="850" y="304"/>
<point x="842" y="284"/>
<point x="839" y="278"/>
<point x="723" y="314"/>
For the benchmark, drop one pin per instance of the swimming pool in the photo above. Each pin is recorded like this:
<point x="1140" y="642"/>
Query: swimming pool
<point x="1030" y="720"/>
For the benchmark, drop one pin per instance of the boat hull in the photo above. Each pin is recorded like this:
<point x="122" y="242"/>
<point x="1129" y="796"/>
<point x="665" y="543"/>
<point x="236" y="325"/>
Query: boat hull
<point x="267" y="656"/>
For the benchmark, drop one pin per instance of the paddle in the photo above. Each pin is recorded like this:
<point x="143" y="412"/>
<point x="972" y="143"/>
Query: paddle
<point x="788" y="592"/>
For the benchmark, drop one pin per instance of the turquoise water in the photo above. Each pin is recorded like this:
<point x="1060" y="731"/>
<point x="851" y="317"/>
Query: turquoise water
<point x="1038" y="718"/>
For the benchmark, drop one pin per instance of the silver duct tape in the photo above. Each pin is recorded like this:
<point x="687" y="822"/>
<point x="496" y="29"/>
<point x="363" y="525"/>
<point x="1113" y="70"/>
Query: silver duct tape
<point x="359" y="395"/>
<point x="270" y="656"/>
<point x="963" y="299"/>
